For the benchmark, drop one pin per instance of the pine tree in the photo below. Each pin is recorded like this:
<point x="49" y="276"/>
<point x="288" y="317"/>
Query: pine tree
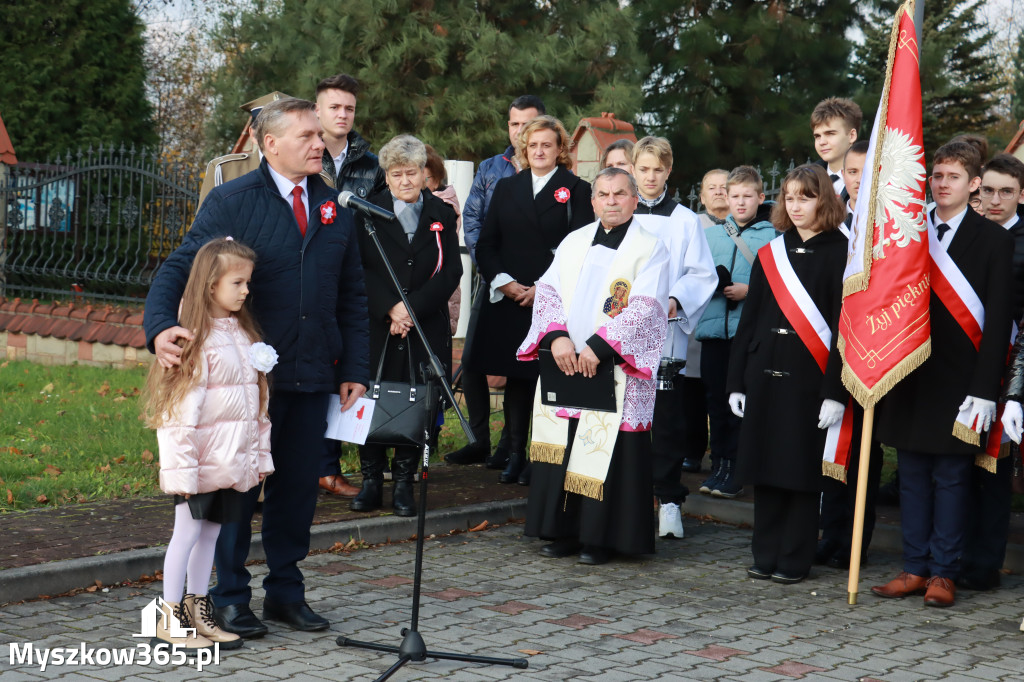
<point x="958" y="72"/>
<point x="1017" y="97"/>
<point x="735" y="82"/>
<point x="444" y="70"/>
<point x="73" y="76"/>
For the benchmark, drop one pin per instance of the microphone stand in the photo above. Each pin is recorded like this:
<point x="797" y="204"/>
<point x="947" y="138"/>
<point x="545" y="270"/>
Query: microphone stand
<point x="413" y="648"/>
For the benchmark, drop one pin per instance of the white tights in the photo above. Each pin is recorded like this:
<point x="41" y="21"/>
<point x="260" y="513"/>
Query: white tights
<point x="190" y="552"/>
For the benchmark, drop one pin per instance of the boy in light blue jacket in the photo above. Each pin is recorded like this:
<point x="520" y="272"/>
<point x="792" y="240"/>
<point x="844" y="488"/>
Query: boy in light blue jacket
<point x="734" y="246"/>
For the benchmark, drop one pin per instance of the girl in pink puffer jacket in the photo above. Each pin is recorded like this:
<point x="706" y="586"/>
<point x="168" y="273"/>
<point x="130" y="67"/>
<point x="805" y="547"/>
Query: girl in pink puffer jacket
<point x="210" y="413"/>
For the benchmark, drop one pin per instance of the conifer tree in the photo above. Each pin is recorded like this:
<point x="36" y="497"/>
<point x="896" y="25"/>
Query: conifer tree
<point x="1017" y="96"/>
<point x="734" y="83"/>
<point x="73" y="75"/>
<point x="444" y="70"/>
<point x="958" y="71"/>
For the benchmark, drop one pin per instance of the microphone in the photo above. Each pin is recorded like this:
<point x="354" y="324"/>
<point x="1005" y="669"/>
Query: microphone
<point x="350" y="200"/>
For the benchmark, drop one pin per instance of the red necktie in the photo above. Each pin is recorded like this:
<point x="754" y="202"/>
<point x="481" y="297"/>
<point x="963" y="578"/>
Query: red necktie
<point x="299" y="208"/>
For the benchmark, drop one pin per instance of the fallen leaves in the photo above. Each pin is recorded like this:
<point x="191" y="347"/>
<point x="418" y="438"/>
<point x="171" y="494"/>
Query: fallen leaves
<point x="104" y="389"/>
<point x="483" y="525"/>
<point x="52" y="471"/>
<point x="48" y="388"/>
<point x="42" y="499"/>
<point x="147" y="456"/>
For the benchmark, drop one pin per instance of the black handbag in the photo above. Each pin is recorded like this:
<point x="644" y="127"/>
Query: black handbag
<point x="400" y="414"/>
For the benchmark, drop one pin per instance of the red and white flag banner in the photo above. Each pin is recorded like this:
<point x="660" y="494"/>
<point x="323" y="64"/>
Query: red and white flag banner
<point x="884" y="327"/>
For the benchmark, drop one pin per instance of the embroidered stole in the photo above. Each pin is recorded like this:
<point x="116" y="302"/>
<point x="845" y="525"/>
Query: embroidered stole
<point x="813" y="330"/>
<point x="590" y="452"/>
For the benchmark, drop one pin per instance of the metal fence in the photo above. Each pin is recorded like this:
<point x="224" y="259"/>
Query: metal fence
<point x="772" y="178"/>
<point x="94" y="224"/>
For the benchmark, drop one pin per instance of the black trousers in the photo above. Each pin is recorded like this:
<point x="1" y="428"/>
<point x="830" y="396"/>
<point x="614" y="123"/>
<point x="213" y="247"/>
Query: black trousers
<point x="785" y="529"/>
<point x="474" y="386"/>
<point x="988" y="520"/>
<point x="518" y="411"/>
<point x="679" y="431"/>
<point x="296" y="442"/>
<point x="725" y="426"/>
<point x="838" y="500"/>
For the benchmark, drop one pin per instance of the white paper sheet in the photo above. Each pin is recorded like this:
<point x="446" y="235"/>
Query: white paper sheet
<point x="351" y="426"/>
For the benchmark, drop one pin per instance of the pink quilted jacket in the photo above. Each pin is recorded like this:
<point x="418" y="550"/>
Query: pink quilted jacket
<point x="218" y="440"/>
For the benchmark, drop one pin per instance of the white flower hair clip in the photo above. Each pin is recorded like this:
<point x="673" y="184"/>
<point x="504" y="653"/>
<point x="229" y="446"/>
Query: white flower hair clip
<point x="263" y="356"/>
<point x="229" y="238"/>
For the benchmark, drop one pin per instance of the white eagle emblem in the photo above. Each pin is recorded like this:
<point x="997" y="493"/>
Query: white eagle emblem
<point x="899" y="202"/>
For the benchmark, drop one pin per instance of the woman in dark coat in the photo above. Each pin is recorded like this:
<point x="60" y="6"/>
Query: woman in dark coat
<point x="529" y="215"/>
<point x="423" y="248"/>
<point x="778" y="387"/>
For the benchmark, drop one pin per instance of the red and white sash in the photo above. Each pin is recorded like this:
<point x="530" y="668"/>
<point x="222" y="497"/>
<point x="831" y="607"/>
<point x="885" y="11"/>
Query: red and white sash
<point x="812" y="329"/>
<point x="962" y="302"/>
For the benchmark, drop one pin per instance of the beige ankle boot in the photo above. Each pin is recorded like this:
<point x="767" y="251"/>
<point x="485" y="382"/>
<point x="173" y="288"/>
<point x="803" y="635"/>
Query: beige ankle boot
<point x="171" y="626"/>
<point x="200" y="612"/>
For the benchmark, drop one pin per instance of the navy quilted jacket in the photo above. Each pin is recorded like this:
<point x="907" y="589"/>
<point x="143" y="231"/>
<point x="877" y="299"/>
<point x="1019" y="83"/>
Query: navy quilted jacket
<point x="308" y="294"/>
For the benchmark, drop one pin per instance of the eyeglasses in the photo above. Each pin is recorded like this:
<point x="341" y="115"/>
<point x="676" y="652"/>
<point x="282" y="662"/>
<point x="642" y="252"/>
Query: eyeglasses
<point x="1004" y="192"/>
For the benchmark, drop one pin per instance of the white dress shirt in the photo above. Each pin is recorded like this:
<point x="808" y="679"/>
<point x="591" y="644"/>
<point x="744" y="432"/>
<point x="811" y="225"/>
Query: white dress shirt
<point x="285" y="187"/>
<point x="954" y="224"/>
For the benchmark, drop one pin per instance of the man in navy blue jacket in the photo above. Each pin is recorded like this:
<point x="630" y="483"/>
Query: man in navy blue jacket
<point x="309" y="298"/>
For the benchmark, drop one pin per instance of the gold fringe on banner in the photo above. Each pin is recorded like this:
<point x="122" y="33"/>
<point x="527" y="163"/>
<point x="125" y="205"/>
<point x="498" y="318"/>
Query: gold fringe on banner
<point x="870" y="396"/>
<point x="584" y="485"/>
<point x="966" y="434"/>
<point x="833" y="470"/>
<point x="546" y="453"/>
<point x="987" y="461"/>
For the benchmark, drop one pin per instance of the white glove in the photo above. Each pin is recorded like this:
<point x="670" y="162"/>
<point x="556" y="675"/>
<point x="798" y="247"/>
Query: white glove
<point x="982" y="413"/>
<point x="831" y="412"/>
<point x="737" y="402"/>
<point x="1013" y="420"/>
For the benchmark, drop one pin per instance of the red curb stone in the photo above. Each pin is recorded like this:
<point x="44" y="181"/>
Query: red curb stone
<point x="793" y="669"/>
<point x="513" y="608"/>
<point x="391" y="581"/>
<point x="717" y="653"/>
<point x="577" y="622"/>
<point x="452" y="593"/>
<point x="645" y="636"/>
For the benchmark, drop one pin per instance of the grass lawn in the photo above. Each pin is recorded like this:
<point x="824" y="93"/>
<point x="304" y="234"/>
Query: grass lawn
<point x="72" y="434"/>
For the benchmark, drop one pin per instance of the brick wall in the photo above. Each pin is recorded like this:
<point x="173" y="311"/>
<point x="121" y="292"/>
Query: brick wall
<point x="60" y="334"/>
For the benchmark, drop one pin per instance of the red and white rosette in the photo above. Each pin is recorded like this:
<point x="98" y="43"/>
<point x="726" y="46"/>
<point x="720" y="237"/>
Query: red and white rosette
<point x="327" y="212"/>
<point x="562" y="195"/>
<point x="436" y="228"/>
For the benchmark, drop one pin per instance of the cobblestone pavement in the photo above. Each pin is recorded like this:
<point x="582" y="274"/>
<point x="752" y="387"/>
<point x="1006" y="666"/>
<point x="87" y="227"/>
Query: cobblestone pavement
<point x="689" y="613"/>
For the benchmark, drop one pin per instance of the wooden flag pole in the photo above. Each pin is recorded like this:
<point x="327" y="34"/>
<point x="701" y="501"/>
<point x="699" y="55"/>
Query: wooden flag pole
<point x="858" y="513"/>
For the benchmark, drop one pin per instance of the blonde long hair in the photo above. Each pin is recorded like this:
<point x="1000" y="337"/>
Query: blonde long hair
<point x="167" y="388"/>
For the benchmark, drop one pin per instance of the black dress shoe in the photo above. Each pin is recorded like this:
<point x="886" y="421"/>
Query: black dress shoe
<point x="787" y="578"/>
<point x="470" y="454"/>
<point x="559" y="549"/>
<point x="516" y="462"/>
<point x="979" y="582"/>
<point x="594" y="556"/>
<point x="498" y="460"/>
<point x="297" y="615"/>
<point x="691" y="464"/>
<point x="239" y="619"/>
<point x="524" y="475"/>
<point x="841" y="560"/>
<point x="758" y="573"/>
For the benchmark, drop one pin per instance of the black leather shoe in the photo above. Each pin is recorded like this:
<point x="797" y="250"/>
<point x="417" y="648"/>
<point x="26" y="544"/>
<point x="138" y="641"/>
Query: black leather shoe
<point x="787" y="578"/>
<point x="758" y="573"/>
<point x="691" y="464"/>
<point x="524" y="475"/>
<point x="498" y="460"/>
<point x="297" y="615"/>
<point x="470" y="454"/>
<point x="979" y="582"/>
<point x="516" y="462"/>
<point x="404" y="502"/>
<point x="594" y="556"/>
<point x="239" y="619"/>
<point x="825" y="551"/>
<point x="559" y="549"/>
<point x="841" y="560"/>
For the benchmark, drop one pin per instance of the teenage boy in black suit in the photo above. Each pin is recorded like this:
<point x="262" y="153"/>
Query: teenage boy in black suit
<point x="835" y="122"/>
<point x="956" y="389"/>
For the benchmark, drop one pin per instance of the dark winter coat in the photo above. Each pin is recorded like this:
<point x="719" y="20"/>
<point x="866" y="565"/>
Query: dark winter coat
<point x="519" y="237"/>
<point x="307" y="294"/>
<point x="918" y="413"/>
<point x="780" y="442"/>
<point x="360" y="173"/>
<point x="414" y="264"/>
<point x="491" y="170"/>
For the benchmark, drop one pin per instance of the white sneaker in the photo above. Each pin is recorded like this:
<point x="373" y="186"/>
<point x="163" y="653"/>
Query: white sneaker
<point x="670" y="522"/>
